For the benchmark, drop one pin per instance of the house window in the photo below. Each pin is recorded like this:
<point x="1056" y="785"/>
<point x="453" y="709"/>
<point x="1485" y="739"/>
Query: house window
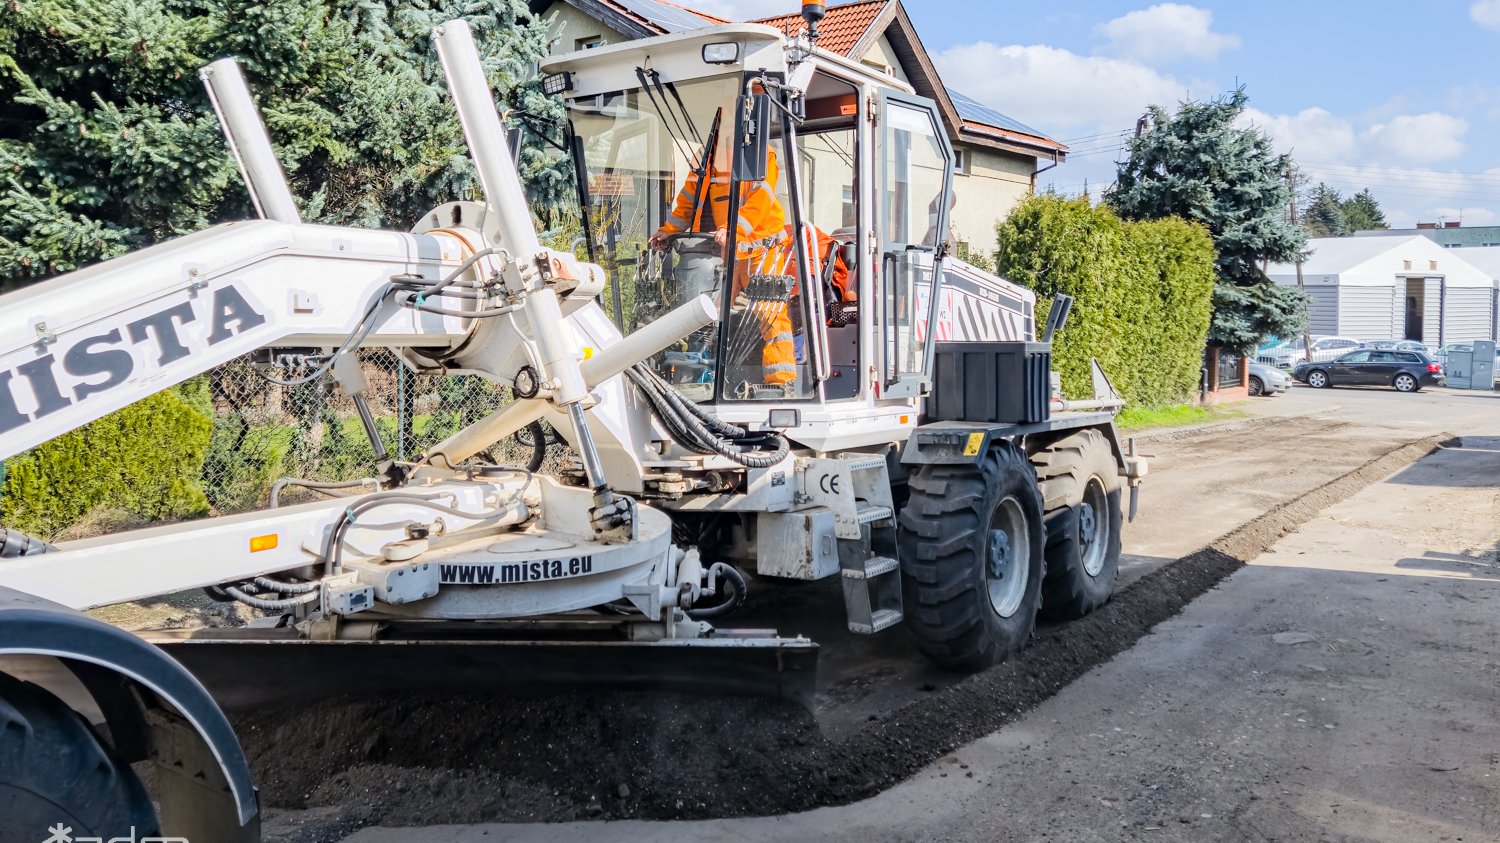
<point x="589" y="43"/>
<point x="961" y="161"/>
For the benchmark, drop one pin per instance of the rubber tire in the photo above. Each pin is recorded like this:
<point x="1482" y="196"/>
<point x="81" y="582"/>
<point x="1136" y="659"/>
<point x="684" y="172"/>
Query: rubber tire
<point x="943" y="536"/>
<point x="54" y="769"/>
<point x="1257" y="389"/>
<point x="1416" y="385"/>
<point x="1327" y="382"/>
<point x="1064" y="470"/>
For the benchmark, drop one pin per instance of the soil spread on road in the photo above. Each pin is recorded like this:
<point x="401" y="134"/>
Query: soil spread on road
<point x="328" y="768"/>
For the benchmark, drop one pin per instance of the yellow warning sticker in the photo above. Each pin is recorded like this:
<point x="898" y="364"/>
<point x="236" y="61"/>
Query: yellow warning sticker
<point x="976" y="441"/>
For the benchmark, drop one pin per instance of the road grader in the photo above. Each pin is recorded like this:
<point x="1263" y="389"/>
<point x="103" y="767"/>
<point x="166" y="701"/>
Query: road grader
<point x="913" y="444"/>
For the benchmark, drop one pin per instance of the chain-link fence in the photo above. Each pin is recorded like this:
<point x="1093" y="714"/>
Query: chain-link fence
<point x="263" y="432"/>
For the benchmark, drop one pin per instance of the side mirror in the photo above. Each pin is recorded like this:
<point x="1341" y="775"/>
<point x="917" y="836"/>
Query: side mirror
<point x="752" y="131"/>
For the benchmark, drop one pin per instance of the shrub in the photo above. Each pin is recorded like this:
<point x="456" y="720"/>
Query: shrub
<point x="1143" y="293"/>
<point x="143" y="459"/>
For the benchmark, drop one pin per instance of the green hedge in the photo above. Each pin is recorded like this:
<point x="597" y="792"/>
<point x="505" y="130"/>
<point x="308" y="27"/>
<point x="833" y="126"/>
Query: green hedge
<point x="144" y="459"/>
<point x="1143" y="291"/>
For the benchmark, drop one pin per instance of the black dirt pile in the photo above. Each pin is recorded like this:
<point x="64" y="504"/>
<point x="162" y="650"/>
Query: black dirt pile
<point x="412" y="760"/>
<point x="417" y="760"/>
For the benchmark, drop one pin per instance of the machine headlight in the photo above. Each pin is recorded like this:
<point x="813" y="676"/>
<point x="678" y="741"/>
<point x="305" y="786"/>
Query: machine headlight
<point x="557" y="83"/>
<point x="724" y="52"/>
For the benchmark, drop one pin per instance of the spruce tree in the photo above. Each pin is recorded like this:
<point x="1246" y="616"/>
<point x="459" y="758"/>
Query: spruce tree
<point x="1362" y="212"/>
<point x="1324" y="215"/>
<point x="108" y="142"/>
<point x="1199" y="165"/>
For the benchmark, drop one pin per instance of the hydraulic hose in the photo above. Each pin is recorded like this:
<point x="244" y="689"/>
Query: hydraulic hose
<point x="15" y="544"/>
<point x="736" y="590"/>
<point x="269" y="605"/>
<point x="700" y="431"/>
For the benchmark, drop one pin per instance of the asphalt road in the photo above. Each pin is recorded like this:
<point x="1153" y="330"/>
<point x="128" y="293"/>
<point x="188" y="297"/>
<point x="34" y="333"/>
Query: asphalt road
<point x="1341" y="687"/>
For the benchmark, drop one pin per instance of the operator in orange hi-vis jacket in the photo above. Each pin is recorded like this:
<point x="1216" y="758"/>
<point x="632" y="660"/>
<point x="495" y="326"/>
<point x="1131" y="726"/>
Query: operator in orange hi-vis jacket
<point x="760" y="224"/>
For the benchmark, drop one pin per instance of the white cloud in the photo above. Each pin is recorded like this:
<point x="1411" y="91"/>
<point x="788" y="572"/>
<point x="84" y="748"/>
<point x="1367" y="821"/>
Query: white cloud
<point x="1418" y="138"/>
<point x="1468" y="216"/>
<point x="1167" y="32"/>
<point x="1409" y="195"/>
<point x="1313" y="133"/>
<point x="1054" y="89"/>
<point x="1486" y="13"/>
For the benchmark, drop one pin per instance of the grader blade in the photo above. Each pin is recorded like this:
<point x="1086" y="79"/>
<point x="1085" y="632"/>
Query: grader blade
<point x="249" y="668"/>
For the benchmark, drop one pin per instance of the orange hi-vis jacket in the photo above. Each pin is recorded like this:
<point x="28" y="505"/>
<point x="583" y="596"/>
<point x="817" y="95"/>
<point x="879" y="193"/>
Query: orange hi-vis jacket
<point x="760" y="215"/>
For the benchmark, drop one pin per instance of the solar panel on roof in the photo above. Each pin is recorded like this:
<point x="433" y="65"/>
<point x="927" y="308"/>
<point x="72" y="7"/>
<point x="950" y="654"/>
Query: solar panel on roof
<point x="970" y="109"/>
<point x="666" y="16"/>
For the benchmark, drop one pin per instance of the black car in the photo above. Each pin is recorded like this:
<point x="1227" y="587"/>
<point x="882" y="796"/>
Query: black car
<point x="1406" y="371"/>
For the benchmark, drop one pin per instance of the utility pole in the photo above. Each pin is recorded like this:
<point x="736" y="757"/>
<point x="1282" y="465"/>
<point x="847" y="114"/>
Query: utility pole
<point x="1306" y="335"/>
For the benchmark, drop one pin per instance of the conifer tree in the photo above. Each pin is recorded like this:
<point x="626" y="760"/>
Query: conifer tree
<point x="108" y="142"/>
<point x="1362" y="212"/>
<point x="1324" y="215"/>
<point x="1199" y="165"/>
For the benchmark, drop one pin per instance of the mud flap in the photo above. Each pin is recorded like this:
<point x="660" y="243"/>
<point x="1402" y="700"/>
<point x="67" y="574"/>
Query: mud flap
<point x="249" y="668"/>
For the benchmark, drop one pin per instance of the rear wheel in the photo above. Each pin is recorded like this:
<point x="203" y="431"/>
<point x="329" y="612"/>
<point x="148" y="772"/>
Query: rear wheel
<point x="1318" y="379"/>
<point x="1406" y="383"/>
<point x="1080" y="484"/>
<point x="971" y="558"/>
<point x="54" y="769"/>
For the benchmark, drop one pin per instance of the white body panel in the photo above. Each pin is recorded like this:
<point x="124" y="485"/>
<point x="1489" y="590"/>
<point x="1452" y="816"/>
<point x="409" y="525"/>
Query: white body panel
<point x="81" y="345"/>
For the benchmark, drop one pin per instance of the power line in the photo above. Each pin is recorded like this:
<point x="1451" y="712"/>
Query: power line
<point x="1490" y="174"/>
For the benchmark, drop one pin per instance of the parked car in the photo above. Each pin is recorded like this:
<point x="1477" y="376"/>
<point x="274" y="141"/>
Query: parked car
<point x="1268" y="380"/>
<point x="1405" y="371"/>
<point x="1278" y="352"/>
<point x="1291" y="352"/>
<point x="1399" y="345"/>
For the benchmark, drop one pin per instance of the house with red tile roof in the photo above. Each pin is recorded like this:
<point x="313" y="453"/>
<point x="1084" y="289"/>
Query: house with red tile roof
<point x="999" y="156"/>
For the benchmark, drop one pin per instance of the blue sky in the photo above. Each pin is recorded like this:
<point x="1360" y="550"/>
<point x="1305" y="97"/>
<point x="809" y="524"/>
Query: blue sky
<point x="1399" y="97"/>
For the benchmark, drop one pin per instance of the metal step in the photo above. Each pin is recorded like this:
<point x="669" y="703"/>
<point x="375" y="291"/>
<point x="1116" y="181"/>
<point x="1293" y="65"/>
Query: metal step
<point x="882" y="619"/>
<point x="875" y="566"/>
<point x="865" y="463"/>
<point x="869" y="513"/>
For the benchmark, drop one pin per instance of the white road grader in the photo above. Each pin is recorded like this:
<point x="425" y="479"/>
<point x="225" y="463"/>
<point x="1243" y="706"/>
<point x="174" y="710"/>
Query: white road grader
<point x="917" y="451"/>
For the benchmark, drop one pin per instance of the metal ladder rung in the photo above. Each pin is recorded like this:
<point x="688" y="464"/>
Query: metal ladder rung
<point x="875" y="566"/>
<point x="882" y="619"/>
<point x="869" y="513"/>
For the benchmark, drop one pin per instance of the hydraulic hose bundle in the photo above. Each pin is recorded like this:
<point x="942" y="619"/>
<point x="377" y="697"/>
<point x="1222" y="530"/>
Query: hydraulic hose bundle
<point x="699" y="431"/>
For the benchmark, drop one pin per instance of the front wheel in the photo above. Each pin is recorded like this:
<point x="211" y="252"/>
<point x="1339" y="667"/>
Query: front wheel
<point x="1256" y="387"/>
<point x="55" y="770"/>
<point x="1405" y="383"/>
<point x="971" y="545"/>
<point x="1318" y="379"/>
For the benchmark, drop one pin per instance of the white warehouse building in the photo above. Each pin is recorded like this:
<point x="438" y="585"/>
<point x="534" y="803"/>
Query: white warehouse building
<point x="1395" y="287"/>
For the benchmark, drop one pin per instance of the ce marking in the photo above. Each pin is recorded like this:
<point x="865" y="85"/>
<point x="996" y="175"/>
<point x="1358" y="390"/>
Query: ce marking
<point x="829" y="483"/>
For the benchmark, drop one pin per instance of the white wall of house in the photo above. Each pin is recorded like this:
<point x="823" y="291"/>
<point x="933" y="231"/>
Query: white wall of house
<point x="994" y="184"/>
<point x="880" y="56"/>
<point x="570" y="29"/>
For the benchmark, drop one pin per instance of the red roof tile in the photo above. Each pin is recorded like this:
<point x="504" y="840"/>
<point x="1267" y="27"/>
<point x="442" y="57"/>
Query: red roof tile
<point x="842" y="27"/>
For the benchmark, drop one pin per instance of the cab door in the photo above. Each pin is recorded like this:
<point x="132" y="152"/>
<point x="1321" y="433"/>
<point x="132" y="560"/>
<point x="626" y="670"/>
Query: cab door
<point x="913" y="189"/>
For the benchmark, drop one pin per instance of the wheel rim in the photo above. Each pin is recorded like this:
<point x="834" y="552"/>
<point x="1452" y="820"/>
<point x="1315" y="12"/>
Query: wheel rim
<point x="1255" y="387"/>
<point x="1093" y="527"/>
<point x="1007" y="567"/>
<point x="1405" y="383"/>
<point x="1317" y="379"/>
